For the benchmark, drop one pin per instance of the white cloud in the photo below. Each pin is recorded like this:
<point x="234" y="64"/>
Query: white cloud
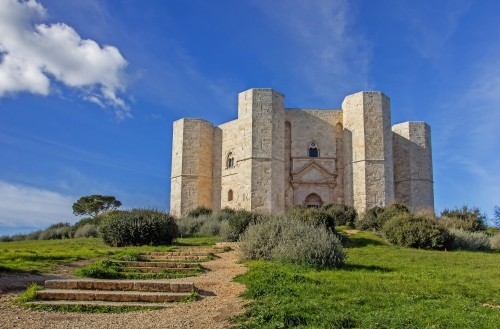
<point x="33" y="54"/>
<point x="327" y="54"/>
<point x="24" y="206"/>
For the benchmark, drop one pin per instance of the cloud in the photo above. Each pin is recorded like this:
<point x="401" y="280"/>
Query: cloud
<point x="328" y="55"/>
<point x="24" y="206"/>
<point x="34" y="54"/>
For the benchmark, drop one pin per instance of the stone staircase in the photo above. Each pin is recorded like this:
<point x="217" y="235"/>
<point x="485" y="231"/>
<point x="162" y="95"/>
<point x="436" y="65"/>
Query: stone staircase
<point x="133" y="293"/>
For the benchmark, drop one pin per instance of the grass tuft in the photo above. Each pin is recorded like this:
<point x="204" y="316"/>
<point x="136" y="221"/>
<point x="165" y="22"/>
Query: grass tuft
<point x="29" y="294"/>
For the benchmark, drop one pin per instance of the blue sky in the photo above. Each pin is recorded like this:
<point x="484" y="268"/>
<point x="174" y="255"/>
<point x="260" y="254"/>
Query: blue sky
<point x="89" y="89"/>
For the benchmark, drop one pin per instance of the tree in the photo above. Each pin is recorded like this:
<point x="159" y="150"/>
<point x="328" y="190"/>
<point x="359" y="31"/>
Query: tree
<point x="496" y="219"/>
<point x="94" y="204"/>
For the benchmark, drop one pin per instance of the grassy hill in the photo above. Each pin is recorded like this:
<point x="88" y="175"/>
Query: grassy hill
<point x="381" y="286"/>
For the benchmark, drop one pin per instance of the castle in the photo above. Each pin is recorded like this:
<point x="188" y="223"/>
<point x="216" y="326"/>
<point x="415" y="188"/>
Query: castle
<point x="272" y="158"/>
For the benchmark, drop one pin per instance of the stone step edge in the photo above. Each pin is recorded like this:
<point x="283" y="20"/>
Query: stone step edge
<point x="159" y="264"/>
<point x="97" y="303"/>
<point x="111" y="296"/>
<point x="121" y="285"/>
<point x="143" y="269"/>
<point x="175" y="253"/>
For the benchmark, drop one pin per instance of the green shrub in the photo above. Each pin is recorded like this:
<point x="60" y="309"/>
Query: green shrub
<point x="86" y="231"/>
<point x="466" y="240"/>
<point x="368" y="220"/>
<point x="464" y="218"/>
<point x="281" y="238"/>
<point x="375" y="218"/>
<point x="138" y="227"/>
<point x="313" y="216"/>
<point x="237" y="224"/>
<point x="199" y="211"/>
<point x="190" y="225"/>
<point x="342" y="214"/>
<point x="495" y="242"/>
<point x="416" y="231"/>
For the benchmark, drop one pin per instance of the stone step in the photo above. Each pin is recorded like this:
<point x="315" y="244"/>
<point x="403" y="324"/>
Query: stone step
<point x="176" y="253"/>
<point x="159" y="264"/>
<point x="123" y="285"/>
<point x="168" y="257"/>
<point x="111" y="296"/>
<point x="151" y="269"/>
<point x="196" y="249"/>
<point x="97" y="303"/>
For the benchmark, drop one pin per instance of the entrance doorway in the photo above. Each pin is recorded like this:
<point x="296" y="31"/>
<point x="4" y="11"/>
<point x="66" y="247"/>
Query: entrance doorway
<point x="313" y="201"/>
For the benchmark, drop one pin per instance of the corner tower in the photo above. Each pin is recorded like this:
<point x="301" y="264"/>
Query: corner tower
<point x="191" y="180"/>
<point x="264" y="148"/>
<point x="413" y="178"/>
<point x="368" y="158"/>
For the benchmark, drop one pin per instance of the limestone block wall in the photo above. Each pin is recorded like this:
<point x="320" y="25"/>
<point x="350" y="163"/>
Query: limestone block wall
<point x="413" y="177"/>
<point x="368" y="170"/>
<point x="191" y="179"/>
<point x="267" y="148"/>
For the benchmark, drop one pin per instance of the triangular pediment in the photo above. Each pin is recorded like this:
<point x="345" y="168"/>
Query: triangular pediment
<point x="313" y="171"/>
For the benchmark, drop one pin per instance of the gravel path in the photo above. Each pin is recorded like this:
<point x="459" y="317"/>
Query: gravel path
<point x="218" y="300"/>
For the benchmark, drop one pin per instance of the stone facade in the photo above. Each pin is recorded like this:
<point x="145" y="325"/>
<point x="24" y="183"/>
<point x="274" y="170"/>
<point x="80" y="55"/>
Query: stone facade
<point x="272" y="158"/>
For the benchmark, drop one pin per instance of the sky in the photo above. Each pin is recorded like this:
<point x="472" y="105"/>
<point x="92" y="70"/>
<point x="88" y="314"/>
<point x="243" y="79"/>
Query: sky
<point x="89" y="88"/>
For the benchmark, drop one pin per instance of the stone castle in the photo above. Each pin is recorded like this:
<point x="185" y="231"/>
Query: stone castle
<point x="272" y="158"/>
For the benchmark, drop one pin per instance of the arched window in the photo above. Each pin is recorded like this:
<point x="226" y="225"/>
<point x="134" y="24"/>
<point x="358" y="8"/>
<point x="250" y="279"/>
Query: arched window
<point x="313" y="150"/>
<point x="230" y="160"/>
<point x="230" y="195"/>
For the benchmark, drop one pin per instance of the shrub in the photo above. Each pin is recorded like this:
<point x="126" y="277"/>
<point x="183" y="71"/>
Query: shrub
<point x="495" y="242"/>
<point x="413" y="231"/>
<point x="313" y="216"/>
<point x="342" y="214"/>
<point x="237" y="224"/>
<point x="5" y="238"/>
<point x="466" y="240"/>
<point x="139" y="227"/>
<point x="199" y="211"/>
<point x="464" y="218"/>
<point x="368" y="221"/>
<point x="87" y="231"/>
<point x="190" y="225"/>
<point x="281" y="238"/>
<point x="56" y="232"/>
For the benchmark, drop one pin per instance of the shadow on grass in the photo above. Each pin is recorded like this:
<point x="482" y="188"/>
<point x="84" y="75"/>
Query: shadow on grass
<point x="359" y="242"/>
<point x="371" y="268"/>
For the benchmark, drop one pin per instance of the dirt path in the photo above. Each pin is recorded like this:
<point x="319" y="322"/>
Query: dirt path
<point x="218" y="300"/>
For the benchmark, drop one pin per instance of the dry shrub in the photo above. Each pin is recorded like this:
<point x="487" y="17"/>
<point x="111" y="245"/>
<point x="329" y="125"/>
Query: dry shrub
<point x="466" y="240"/>
<point x="87" y="231"/>
<point x="280" y="238"/>
<point x="495" y="242"/>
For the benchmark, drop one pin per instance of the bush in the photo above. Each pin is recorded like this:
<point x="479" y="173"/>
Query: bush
<point x="281" y="238"/>
<point x="342" y="214"/>
<point x="495" y="242"/>
<point x="466" y="240"/>
<point x="466" y="219"/>
<point x="368" y="221"/>
<point x="313" y="216"/>
<point x="375" y="218"/>
<point x="86" y="231"/>
<point x="101" y="269"/>
<point x="415" y="231"/>
<point x="56" y="232"/>
<point x="199" y="211"/>
<point x="5" y="238"/>
<point x="138" y="227"/>
<point x="190" y="225"/>
<point x="237" y="224"/>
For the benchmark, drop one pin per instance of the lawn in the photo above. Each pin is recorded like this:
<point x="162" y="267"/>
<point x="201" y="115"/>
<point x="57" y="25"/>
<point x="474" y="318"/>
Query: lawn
<point x="381" y="286"/>
<point x="45" y="255"/>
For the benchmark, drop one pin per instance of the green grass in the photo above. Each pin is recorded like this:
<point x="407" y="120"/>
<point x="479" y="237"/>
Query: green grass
<point x="45" y="255"/>
<point x="381" y="286"/>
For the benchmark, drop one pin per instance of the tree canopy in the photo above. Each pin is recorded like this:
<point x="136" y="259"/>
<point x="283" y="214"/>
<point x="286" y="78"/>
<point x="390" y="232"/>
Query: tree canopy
<point x="95" y="204"/>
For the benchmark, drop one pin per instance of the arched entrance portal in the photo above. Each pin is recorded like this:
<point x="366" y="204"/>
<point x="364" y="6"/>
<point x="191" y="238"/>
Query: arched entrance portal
<point x="313" y="201"/>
